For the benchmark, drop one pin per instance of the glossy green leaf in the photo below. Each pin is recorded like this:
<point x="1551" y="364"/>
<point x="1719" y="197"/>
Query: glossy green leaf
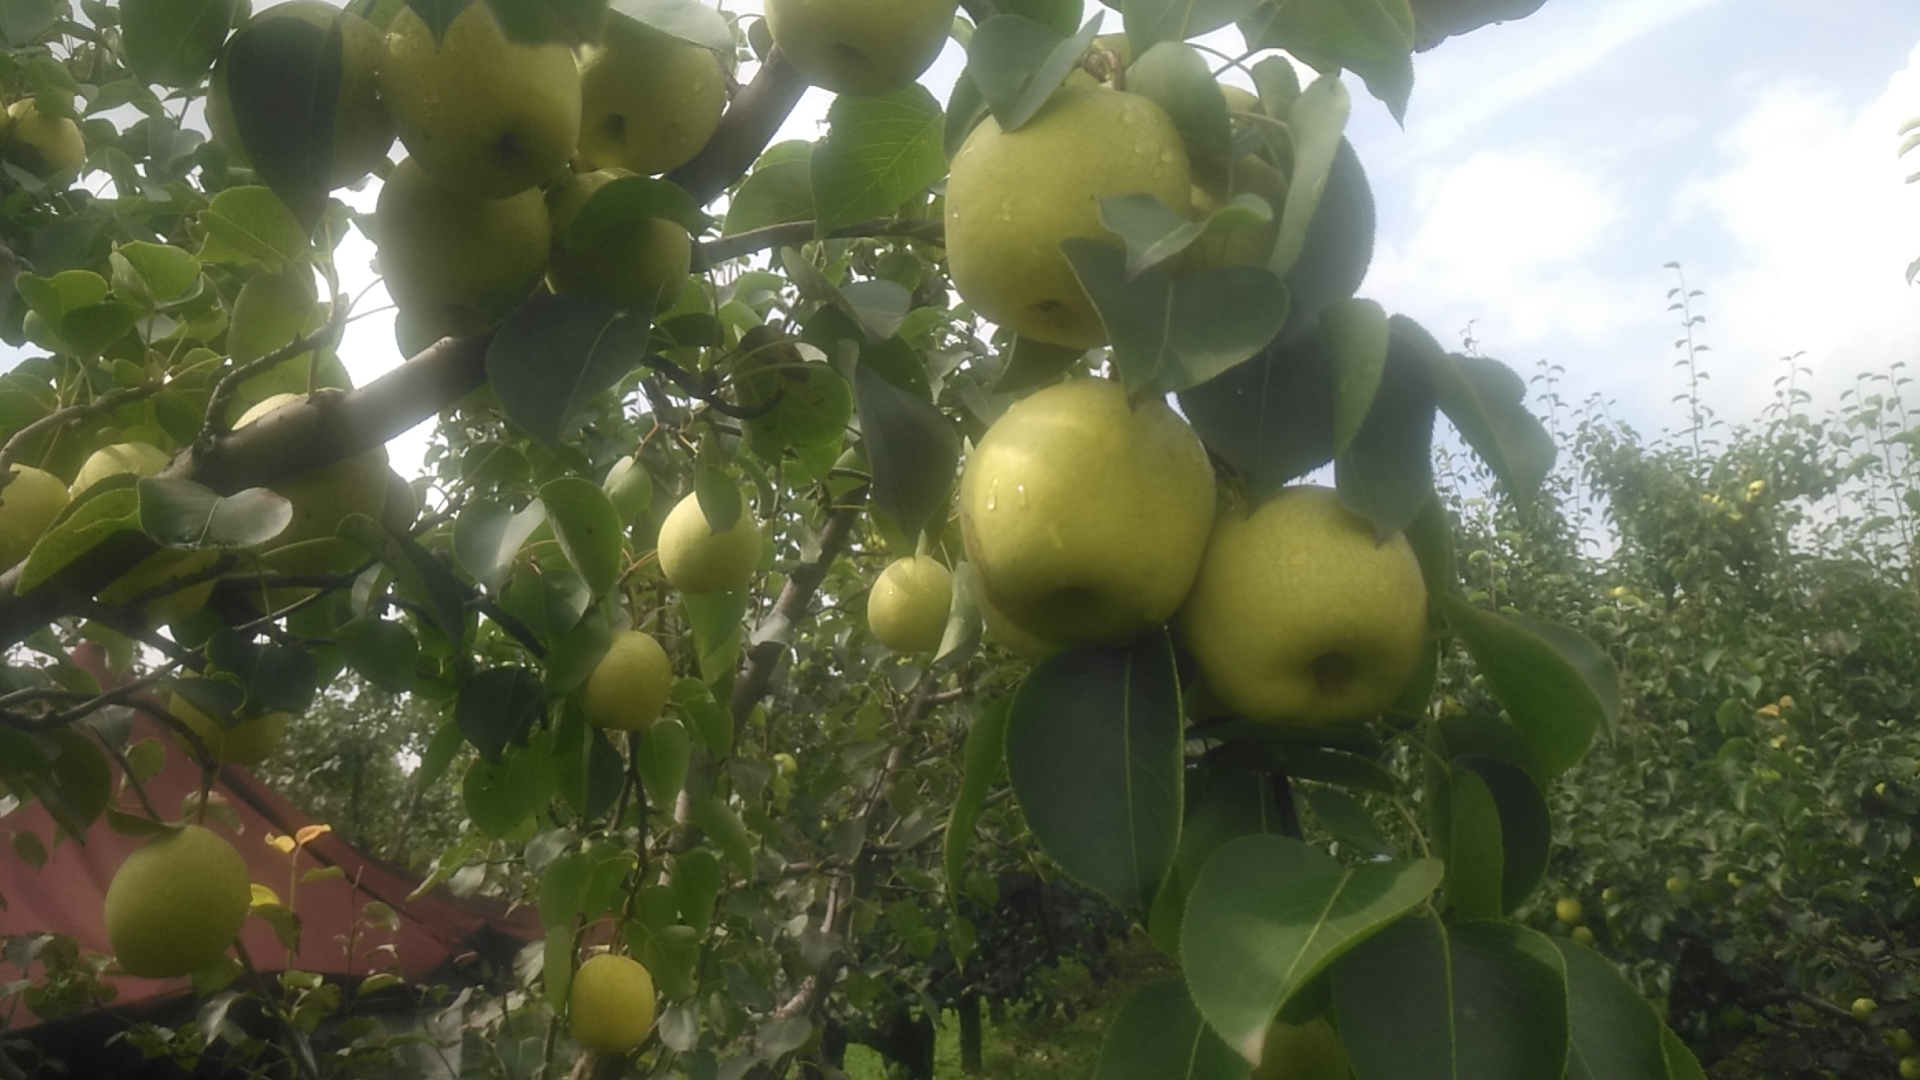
<point x="728" y="833"/>
<point x="1222" y="805"/>
<point x="1271" y="418"/>
<point x="487" y="536"/>
<point x="1356" y="335"/>
<point x="688" y="20"/>
<point x="1474" y="868"/>
<point x="498" y="707"/>
<point x="254" y="223"/>
<point x="1030" y="364"/>
<point x="1176" y="77"/>
<point x="1318" y="118"/>
<point x="154" y="274"/>
<point x="1615" y="1033"/>
<point x="1018" y="64"/>
<point x="381" y="651"/>
<point x="1548" y="697"/>
<point x="1525" y="824"/>
<point x="1159" y="1035"/>
<point x="717" y="633"/>
<point x="173" y="42"/>
<point x="181" y="513"/>
<point x="1152" y="21"/>
<point x="1681" y="1064"/>
<point x="1593" y="663"/>
<point x="81" y="782"/>
<point x="669" y="952"/>
<point x="1371" y="38"/>
<point x="1423" y="1000"/>
<point x="1484" y="400"/>
<point x="1094" y="754"/>
<point x="1348" y="822"/>
<point x="662" y="755"/>
<point x="52" y="297"/>
<point x="1170" y="334"/>
<point x="283" y="79"/>
<point x="588" y="529"/>
<point x="985" y="757"/>
<point x="1153" y="231"/>
<point x="271" y="311"/>
<point x="1386" y="472"/>
<point x="697" y="880"/>
<point x="498" y="797"/>
<point x="775" y="192"/>
<point x="556" y="353"/>
<point x="422" y="577"/>
<point x="83" y="527"/>
<point x="878" y="153"/>
<point x="1268" y="913"/>
<point x="912" y="448"/>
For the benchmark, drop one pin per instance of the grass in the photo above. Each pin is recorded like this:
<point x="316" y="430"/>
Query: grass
<point x="1054" y="1048"/>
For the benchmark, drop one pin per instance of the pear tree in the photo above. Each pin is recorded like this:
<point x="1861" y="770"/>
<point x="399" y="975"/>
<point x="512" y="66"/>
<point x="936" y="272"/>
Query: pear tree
<point x="1048" y="333"/>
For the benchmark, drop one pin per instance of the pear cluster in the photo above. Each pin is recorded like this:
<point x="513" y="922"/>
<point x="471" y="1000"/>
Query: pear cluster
<point x="506" y="142"/>
<point x="1091" y="520"/>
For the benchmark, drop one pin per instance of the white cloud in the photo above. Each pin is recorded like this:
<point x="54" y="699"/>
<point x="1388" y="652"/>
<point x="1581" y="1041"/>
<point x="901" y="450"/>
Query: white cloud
<point x="1819" y="230"/>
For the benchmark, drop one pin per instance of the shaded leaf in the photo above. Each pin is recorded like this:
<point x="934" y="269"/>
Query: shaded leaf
<point x="1547" y="696"/>
<point x="169" y="42"/>
<point x="1018" y="64"/>
<point x="985" y="756"/>
<point x="1615" y="1033"/>
<point x="283" y="79"/>
<point x="556" y="353"/>
<point x="1159" y="1035"/>
<point x="181" y="513"/>
<point x="589" y="530"/>
<point x="912" y="448"/>
<point x="878" y="153"/>
<point x="497" y="707"/>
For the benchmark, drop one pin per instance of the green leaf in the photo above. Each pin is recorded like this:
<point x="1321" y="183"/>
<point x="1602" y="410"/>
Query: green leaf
<point x="22" y="22"/>
<point x="1474" y="867"/>
<point x="1525" y="824"/>
<point x="778" y="190"/>
<point x="1169" y="335"/>
<point x="270" y="312"/>
<point x="1031" y="364"/>
<point x="1094" y="752"/>
<point x="80" y="785"/>
<point x="1348" y="822"/>
<point x="1159" y="1035"/>
<point x="173" y="42"/>
<point x="254" y="223"/>
<point x="688" y="20"/>
<point x="669" y="952"/>
<point x="1018" y="64"/>
<point x="717" y="634"/>
<point x="1615" y="1033"/>
<point x="424" y="578"/>
<point x="1317" y="119"/>
<point x="1681" y="1064"/>
<point x="381" y="651"/>
<point x="181" y="513"/>
<point x="985" y="756"/>
<point x="498" y="797"/>
<point x="878" y="153"/>
<point x="1270" y="419"/>
<point x="487" y="536"/>
<point x="725" y="829"/>
<point x="1483" y="398"/>
<point x="1268" y="913"/>
<point x="697" y="880"/>
<point x="498" y="708"/>
<point x="1154" y="232"/>
<point x="1356" y="334"/>
<point x="1423" y="1000"/>
<point x="635" y="198"/>
<point x="662" y="757"/>
<point x="589" y="530"/>
<point x="1152" y="21"/>
<point x="1176" y="77"/>
<point x="1386" y="472"/>
<point x="1222" y="805"/>
<point x="283" y="80"/>
<point x="570" y="22"/>
<point x="438" y="14"/>
<point x="556" y="353"/>
<point x="1548" y="697"/>
<point x="81" y="528"/>
<point x="965" y="109"/>
<point x="52" y="297"/>
<point x="1371" y="38"/>
<point x="154" y="274"/>
<point x="912" y="448"/>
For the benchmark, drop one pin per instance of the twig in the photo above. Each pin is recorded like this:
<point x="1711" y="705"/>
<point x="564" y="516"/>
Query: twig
<point x="799" y="232"/>
<point x="106" y="402"/>
<point x="325" y="337"/>
<point x="791" y="606"/>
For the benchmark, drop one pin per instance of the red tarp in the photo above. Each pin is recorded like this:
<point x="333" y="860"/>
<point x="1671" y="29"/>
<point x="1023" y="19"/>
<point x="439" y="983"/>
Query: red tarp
<point x="67" y="894"/>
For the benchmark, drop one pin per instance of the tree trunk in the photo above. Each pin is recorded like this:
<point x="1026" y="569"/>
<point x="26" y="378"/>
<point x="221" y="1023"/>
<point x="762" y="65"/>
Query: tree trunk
<point x="969" y="1010"/>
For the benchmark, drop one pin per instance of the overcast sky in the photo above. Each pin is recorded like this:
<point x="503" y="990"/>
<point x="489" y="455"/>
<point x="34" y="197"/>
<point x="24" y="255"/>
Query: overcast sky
<point x="1551" y="166"/>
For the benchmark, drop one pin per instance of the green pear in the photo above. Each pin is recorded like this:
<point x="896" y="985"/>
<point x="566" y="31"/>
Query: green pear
<point x="1309" y="1051"/>
<point x="325" y="495"/>
<point x="484" y="115"/>
<point x="362" y="127"/>
<point x="454" y="263"/>
<point x="649" y="101"/>
<point x="907" y="609"/>
<point x="698" y="560"/>
<point x="628" y="262"/>
<point x="42" y="144"/>
<point x="140" y="459"/>
<point x="177" y="903"/>
<point x="1013" y="197"/>
<point x="247" y="742"/>
<point x="862" y="47"/>
<point x="630" y="684"/>
<point x="1084" y="517"/>
<point x="1300" y="614"/>
<point x="28" y="504"/>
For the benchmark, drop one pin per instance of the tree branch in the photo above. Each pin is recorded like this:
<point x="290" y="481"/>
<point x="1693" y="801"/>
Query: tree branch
<point x="749" y="124"/>
<point x="799" y="232"/>
<point x="791" y="606"/>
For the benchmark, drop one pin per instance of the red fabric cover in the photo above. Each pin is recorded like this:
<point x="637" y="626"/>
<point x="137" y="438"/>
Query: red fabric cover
<point x="66" y="896"/>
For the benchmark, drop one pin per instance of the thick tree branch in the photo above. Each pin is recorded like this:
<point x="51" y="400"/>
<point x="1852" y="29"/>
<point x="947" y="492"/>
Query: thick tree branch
<point x="749" y="124"/>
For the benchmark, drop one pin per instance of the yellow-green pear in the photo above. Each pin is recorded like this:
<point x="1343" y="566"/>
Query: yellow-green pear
<point x="177" y="903"/>
<point x="28" y="504"/>
<point x="1012" y="197"/>
<point x="247" y="742"/>
<point x="630" y="685"/>
<point x="1250" y="246"/>
<point x="1085" y="517"/>
<point x="140" y="459"/>
<point x="43" y="144"/>
<point x="484" y="115"/>
<point x="649" y="101"/>
<point x="698" y="560"/>
<point x="362" y="127"/>
<point x="325" y="495"/>
<point x="610" y="1004"/>
<point x="1309" y="1051"/>
<point x="456" y="264"/>
<point x="628" y="262"/>
<point x="907" y="609"/>
<point x="998" y="629"/>
<point x="1300" y="614"/>
<point x="860" y="46"/>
